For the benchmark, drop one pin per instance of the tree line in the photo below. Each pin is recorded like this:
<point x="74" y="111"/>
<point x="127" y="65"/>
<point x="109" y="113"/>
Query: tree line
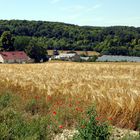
<point x="116" y="40"/>
<point x="35" y="50"/>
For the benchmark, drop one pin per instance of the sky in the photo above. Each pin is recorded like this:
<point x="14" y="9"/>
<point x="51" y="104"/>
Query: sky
<point x="79" y="12"/>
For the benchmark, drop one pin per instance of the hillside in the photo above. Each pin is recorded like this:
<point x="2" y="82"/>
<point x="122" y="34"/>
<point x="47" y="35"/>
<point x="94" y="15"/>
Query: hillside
<point x="117" y="40"/>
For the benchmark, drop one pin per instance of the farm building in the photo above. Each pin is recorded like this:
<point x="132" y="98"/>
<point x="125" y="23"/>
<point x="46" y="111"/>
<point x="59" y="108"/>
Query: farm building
<point x="14" y="57"/>
<point x="89" y="53"/>
<point x="113" y="58"/>
<point x="67" y="57"/>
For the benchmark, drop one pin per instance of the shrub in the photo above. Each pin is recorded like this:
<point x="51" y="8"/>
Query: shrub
<point x="91" y="128"/>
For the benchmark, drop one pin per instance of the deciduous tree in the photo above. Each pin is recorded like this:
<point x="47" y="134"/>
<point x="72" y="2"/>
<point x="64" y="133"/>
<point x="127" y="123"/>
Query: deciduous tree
<point x="7" y="41"/>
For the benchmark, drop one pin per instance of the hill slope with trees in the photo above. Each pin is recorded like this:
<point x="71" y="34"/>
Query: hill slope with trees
<point x="116" y="40"/>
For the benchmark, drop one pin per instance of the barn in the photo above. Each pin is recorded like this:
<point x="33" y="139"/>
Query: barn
<point x="14" y="57"/>
<point x="67" y="57"/>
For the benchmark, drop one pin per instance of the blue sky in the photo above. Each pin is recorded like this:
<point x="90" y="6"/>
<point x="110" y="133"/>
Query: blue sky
<point x="80" y="12"/>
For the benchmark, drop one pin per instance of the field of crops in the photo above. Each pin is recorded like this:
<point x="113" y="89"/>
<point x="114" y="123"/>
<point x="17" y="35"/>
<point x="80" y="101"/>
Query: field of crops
<point x="113" y="87"/>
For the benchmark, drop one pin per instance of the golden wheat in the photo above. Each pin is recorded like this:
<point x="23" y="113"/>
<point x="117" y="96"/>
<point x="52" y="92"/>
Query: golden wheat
<point x="115" y="87"/>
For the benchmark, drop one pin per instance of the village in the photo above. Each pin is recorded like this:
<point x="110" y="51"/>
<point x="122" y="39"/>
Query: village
<point x="73" y="56"/>
<point x="22" y="57"/>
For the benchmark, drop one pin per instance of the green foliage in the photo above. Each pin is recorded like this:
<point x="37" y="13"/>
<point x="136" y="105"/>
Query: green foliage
<point x="21" y="42"/>
<point x="13" y="126"/>
<point x="36" y="105"/>
<point x="91" y="128"/>
<point x="42" y="118"/>
<point x="36" y="51"/>
<point x="117" y="40"/>
<point x="32" y="107"/>
<point x="131" y="137"/>
<point x="5" y="100"/>
<point x="7" y="41"/>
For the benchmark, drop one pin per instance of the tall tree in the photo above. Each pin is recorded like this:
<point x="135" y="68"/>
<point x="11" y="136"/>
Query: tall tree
<point x="21" y="42"/>
<point x="36" y="51"/>
<point x="7" y="41"/>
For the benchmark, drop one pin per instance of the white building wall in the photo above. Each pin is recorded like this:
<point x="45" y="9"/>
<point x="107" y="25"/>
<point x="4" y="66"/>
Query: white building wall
<point x="1" y="59"/>
<point x="10" y="61"/>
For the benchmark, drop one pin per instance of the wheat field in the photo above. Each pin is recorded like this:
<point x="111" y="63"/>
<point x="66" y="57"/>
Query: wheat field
<point x="113" y="87"/>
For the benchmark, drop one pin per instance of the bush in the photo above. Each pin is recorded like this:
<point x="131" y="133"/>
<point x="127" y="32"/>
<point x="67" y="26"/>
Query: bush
<point x="91" y="128"/>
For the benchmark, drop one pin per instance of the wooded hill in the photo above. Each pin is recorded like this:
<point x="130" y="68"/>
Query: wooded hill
<point x="117" y="40"/>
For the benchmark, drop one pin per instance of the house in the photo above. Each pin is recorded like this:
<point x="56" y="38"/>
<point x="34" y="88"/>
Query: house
<point x="14" y="57"/>
<point x="115" y="58"/>
<point x="67" y="57"/>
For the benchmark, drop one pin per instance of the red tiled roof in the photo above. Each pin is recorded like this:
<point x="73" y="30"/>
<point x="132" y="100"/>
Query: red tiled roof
<point x="14" y="55"/>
